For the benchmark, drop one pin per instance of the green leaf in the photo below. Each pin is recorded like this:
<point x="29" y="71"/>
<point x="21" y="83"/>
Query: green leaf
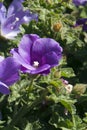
<point x="28" y="127"/>
<point x="67" y="72"/>
<point x="69" y="105"/>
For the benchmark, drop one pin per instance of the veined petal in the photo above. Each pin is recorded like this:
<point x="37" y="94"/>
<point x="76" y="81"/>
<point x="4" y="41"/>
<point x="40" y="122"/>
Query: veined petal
<point x="25" y="46"/>
<point x="44" y="45"/>
<point x="20" y="60"/>
<point x="51" y="58"/>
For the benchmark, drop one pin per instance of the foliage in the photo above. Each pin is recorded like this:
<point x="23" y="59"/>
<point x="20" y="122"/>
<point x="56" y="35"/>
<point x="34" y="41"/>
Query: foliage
<point x="43" y="102"/>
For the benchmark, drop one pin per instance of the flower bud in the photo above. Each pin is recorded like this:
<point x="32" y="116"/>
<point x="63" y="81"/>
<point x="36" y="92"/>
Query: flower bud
<point x="57" y="27"/>
<point x="69" y="88"/>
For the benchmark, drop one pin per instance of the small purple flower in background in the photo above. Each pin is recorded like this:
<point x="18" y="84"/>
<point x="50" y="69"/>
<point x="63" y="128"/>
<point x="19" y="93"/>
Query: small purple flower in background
<point x="37" y="55"/>
<point x="83" y="22"/>
<point x="11" y="19"/>
<point x="8" y="73"/>
<point x="64" y="81"/>
<point x="79" y="2"/>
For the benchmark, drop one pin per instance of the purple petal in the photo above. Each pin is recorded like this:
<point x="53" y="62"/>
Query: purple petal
<point x="21" y="61"/>
<point x="26" y="67"/>
<point x="41" y="69"/>
<point x="9" y="35"/>
<point x="79" y="2"/>
<point x="1" y="58"/>
<point x="43" y="46"/>
<point x="51" y="58"/>
<point x="4" y="88"/>
<point x="11" y="79"/>
<point x="29" y="16"/>
<point x="2" y="12"/>
<point x="26" y="46"/>
<point x="81" y="21"/>
<point x="14" y="7"/>
<point x="2" y="8"/>
<point x="45" y="72"/>
<point x="9" y="71"/>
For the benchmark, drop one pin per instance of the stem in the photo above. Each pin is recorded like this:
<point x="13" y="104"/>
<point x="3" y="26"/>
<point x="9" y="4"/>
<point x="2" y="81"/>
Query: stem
<point x="23" y="110"/>
<point x="74" y="122"/>
<point x="26" y="109"/>
<point x="30" y="85"/>
<point x="31" y="82"/>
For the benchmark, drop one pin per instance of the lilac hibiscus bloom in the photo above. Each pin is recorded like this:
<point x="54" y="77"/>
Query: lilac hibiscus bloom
<point x="79" y="2"/>
<point x="8" y="73"/>
<point x="83" y="22"/>
<point x="37" y="55"/>
<point x="11" y="19"/>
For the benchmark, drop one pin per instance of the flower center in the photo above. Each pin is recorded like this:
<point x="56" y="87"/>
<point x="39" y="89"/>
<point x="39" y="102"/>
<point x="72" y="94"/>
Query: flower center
<point x="17" y="19"/>
<point x="35" y="64"/>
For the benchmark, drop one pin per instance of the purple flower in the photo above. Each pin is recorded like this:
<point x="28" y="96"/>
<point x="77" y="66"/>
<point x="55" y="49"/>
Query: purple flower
<point x="8" y="73"/>
<point x="79" y="2"/>
<point x="83" y="22"/>
<point x="64" y="81"/>
<point x="37" y="55"/>
<point x="11" y="19"/>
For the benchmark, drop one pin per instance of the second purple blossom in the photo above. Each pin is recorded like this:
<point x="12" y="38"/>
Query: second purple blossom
<point x="37" y="55"/>
<point x="11" y="19"/>
<point x="79" y="2"/>
<point x="82" y="22"/>
<point x="8" y="73"/>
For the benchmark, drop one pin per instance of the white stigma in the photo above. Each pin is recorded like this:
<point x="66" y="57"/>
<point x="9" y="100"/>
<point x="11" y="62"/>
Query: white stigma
<point x="36" y="64"/>
<point x="17" y="19"/>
